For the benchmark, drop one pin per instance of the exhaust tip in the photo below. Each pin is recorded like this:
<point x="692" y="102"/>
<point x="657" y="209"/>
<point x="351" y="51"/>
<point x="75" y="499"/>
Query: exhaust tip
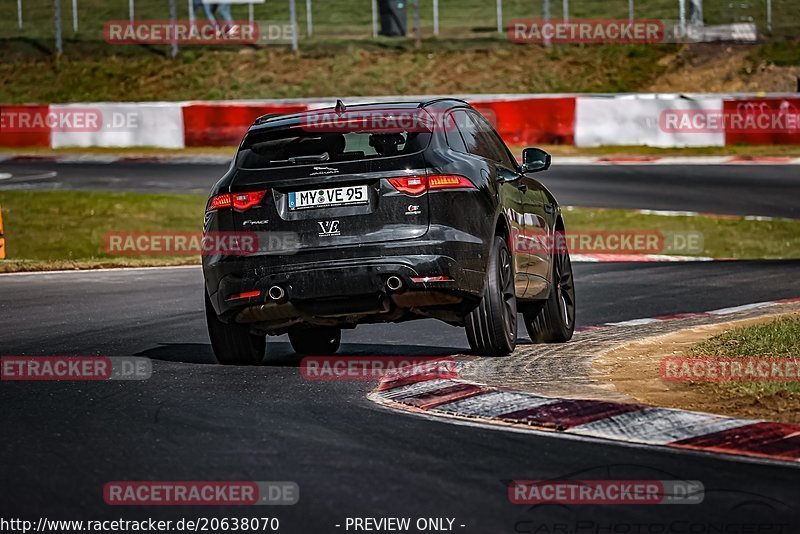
<point x="276" y="293"/>
<point x="394" y="283"/>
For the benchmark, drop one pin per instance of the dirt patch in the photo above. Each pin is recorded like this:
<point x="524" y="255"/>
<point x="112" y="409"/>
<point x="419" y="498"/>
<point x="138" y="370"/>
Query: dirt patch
<point x="634" y="370"/>
<point x="718" y="68"/>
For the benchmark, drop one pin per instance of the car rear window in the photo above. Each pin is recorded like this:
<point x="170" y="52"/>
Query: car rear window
<point x="280" y="147"/>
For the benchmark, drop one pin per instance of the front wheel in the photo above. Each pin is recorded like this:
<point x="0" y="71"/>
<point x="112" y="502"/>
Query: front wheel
<point x="233" y="344"/>
<point x="492" y="325"/>
<point x="315" y="341"/>
<point x="553" y="320"/>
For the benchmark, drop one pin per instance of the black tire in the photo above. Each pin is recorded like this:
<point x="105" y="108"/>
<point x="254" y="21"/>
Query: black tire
<point x="492" y="325"/>
<point x="553" y="320"/>
<point x="316" y="341"/>
<point x="233" y="344"/>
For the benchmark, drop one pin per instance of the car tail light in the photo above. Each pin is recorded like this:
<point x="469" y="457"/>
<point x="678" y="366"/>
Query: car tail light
<point x="449" y="181"/>
<point x="411" y="185"/>
<point x="238" y="201"/>
<point x="415" y="185"/>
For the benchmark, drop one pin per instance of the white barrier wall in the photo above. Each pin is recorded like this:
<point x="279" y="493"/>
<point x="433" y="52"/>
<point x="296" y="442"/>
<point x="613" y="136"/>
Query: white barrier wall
<point x="120" y="125"/>
<point x="636" y="120"/>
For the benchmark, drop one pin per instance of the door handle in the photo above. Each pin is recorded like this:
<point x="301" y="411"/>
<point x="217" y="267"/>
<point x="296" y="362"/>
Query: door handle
<point x="549" y="208"/>
<point x="522" y="188"/>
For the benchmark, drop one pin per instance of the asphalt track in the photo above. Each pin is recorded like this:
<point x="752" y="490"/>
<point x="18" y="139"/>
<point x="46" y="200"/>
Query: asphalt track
<point x="765" y="190"/>
<point x="194" y="420"/>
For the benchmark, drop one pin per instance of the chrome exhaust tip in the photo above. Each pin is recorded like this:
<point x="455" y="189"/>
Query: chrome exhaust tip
<point x="394" y="283"/>
<point x="276" y="293"/>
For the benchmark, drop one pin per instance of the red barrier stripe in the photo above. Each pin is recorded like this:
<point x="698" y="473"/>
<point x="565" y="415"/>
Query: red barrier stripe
<point x="568" y="413"/>
<point x="12" y="135"/>
<point x="532" y="121"/>
<point x="444" y="395"/>
<point x="224" y="124"/>
<point x="774" y="440"/>
<point x="753" y="107"/>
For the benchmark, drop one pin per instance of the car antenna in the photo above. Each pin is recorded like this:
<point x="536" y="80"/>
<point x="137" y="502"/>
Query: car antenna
<point x="340" y="107"/>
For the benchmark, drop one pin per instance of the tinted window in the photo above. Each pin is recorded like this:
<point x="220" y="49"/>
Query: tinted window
<point x="474" y="141"/>
<point x="454" y="139"/>
<point x="492" y="141"/>
<point x="294" y="146"/>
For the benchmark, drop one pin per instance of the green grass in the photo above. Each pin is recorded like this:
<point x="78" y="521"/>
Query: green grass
<point x="722" y="238"/>
<point x="777" y="339"/>
<point x="66" y="229"/>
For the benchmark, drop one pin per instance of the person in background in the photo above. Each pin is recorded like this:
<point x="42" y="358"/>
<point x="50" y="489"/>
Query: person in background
<point x="224" y="11"/>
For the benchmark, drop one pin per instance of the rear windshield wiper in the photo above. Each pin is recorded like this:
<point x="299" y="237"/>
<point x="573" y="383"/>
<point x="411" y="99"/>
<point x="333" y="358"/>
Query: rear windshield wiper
<point x="315" y="158"/>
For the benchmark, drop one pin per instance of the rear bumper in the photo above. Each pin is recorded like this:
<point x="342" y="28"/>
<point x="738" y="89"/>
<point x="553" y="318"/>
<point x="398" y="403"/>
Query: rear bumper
<point x="350" y="286"/>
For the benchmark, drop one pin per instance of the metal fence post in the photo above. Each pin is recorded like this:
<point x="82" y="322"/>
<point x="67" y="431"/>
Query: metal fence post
<point x="546" y="8"/>
<point x="293" y="22"/>
<point x="435" y="17"/>
<point x="769" y="16"/>
<point x="75" y="16"/>
<point x="682" y="16"/>
<point x="57" y="22"/>
<point x="251" y="14"/>
<point x="173" y="17"/>
<point x="630" y="11"/>
<point x="374" y="19"/>
<point x="19" y="14"/>
<point x="309" y="20"/>
<point x="130" y="10"/>
<point x="499" y="16"/>
<point x="417" y="29"/>
<point x="565" y="10"/>
<point x="191" y="12"/>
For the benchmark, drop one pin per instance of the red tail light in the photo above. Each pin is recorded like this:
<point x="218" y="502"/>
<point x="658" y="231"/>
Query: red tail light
<point x="238" y="201"/>
<point x="411" y="185"/>
<point x="416" y="185"/>
<point x="449" y="181"/>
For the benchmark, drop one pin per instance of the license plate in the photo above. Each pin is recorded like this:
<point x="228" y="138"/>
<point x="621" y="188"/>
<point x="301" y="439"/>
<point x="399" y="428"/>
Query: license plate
<point x="333" y="196"/>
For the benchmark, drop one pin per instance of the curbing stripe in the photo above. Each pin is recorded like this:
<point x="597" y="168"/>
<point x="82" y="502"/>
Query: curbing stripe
<point x="658" y="426"/>
<point x="494" y="403"/>
<point x="761" y="438"/>
<point x="615" y="421"/>
<point x="567" y="413"/>
<point x="440" y="396"/>
<point x="417" y="388"/>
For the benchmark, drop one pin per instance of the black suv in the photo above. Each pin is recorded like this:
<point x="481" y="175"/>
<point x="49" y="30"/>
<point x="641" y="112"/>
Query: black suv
<point x="383" y="213"/>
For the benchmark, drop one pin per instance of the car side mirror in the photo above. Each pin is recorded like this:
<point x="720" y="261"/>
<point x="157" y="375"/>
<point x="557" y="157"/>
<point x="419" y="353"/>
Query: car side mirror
<point x="535" y="160"/>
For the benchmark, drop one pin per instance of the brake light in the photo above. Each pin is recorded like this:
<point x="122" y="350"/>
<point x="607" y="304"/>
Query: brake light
<point x="415" y="185"/>
<point x="449" y="181"/>
<point x="411" y="185"/>
<point x="238" y="201"/>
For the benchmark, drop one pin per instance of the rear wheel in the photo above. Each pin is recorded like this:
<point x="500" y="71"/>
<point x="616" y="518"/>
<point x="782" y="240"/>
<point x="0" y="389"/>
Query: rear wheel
<point x="492" y="325"/>
<point x="233" y="344"/>
<point x="316" y="341"/>
<point x="553" y="320"/>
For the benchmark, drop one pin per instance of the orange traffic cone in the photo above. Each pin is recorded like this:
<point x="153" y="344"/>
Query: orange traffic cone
<point x="2" y="239"/>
